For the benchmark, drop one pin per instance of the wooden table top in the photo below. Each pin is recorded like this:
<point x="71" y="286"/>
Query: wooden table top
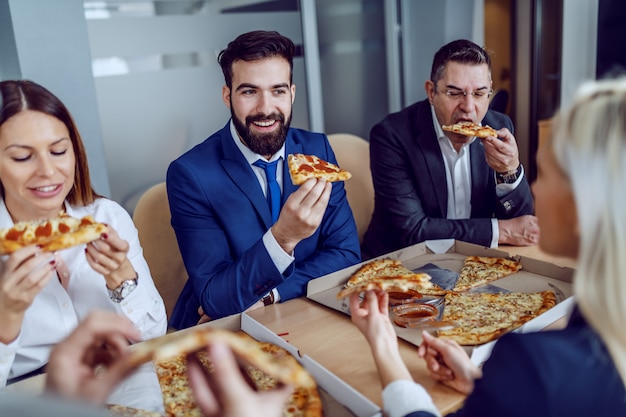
<point x="330" y="338"/>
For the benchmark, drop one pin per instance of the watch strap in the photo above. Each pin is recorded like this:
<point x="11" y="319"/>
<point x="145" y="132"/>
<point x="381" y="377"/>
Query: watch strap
<point x="509" y="177"/>
<point x="118" y="294"/>
<point x="269" y="298"/>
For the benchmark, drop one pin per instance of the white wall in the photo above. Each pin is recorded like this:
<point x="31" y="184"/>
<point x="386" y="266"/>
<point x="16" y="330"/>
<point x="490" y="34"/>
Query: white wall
<point x="580" y="31"/>
<point x="47" y="43"/>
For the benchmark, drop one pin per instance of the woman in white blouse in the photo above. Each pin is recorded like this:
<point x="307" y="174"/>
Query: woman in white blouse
<point x="43" y="296"/>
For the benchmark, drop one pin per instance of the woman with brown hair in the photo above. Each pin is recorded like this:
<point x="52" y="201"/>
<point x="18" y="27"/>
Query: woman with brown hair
<point x="43" y="296"/>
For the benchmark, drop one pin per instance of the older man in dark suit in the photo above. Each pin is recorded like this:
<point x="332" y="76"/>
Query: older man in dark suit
<point x="432" y="184"/>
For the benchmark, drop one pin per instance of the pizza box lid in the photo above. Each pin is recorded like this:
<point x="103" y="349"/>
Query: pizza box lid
<point x="339" y="399"/>
<point x="450" y="254"/>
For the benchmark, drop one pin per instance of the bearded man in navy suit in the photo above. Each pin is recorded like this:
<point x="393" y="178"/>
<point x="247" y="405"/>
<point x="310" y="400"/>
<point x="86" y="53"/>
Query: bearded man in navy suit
<point x="238" y="252"/>
<point x="431" y="184"/>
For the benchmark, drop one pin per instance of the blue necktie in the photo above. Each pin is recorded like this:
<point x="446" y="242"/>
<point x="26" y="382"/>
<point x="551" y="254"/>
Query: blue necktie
<point x="273" y="190"/>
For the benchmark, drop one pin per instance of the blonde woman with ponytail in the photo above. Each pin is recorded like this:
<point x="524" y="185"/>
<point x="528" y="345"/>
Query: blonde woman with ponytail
<point x="580" y="202"/>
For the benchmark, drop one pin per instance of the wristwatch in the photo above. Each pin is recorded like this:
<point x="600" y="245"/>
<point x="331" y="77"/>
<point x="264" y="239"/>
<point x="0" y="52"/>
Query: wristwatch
<point x="125" y="288"/>
<point x="509" y="177"/>
<point x="268" y="299"/>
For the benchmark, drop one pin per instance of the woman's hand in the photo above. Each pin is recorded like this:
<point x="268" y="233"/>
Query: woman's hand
<point x="447" y="362"/>
<point x="371" y="317"/>
<point x="108" y="256"/>
<point x="90" y="362"/>
<point x="224" y="392"/>
<point x="22" y="276"/>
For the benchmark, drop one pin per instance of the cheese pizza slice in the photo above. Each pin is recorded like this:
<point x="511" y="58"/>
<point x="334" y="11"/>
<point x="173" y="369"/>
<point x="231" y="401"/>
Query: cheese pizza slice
<point x="470" y="129"/>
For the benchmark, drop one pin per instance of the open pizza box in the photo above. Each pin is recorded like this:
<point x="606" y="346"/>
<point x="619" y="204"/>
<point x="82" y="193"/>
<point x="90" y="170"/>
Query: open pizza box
<point x="449" y="255"/>
<point x="338" y="398"/>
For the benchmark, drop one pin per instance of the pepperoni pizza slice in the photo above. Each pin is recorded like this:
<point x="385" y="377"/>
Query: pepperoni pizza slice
<point x="51" y="235"/>
<point x="302" y="167"/>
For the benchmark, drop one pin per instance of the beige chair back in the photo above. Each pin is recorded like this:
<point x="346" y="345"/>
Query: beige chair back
<point x="353" y="154"/>
<point x="160" y="248"/>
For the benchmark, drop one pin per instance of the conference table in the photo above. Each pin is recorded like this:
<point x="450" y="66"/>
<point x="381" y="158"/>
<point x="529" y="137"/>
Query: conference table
<point x="327" y="336"/>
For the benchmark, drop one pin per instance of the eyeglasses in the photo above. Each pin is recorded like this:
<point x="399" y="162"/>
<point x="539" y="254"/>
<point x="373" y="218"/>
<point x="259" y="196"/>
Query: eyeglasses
<point x="457" y="95"/>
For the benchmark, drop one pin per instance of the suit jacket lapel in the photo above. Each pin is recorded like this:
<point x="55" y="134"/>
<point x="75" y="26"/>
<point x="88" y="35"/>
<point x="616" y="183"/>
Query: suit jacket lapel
<point x="237" y="168"/>
<point x="432" y="155"/>
<point x="480" y="175"/>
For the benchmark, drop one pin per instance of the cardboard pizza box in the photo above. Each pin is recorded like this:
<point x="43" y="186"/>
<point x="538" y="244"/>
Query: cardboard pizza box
<point x="448" y="254"/>
<point x="338" y="398"/>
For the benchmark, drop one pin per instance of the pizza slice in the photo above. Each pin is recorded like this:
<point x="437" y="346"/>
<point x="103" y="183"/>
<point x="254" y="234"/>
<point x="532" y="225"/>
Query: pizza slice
<point x="51" y="235"/>
<point x="178" y="400"/>
<point x="480" y="270"/>
<point x="396" y="283"/>
<point x="393" y="268"/>
<point x="302" y="167"/>
<point x="245" y="348"/>
<point x="471" y="129"/>
<point x="483" y="317"/>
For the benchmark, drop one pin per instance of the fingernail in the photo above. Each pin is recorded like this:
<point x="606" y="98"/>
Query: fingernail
<point x="104" y="236"/>
<point x="86" y="250"/>
<point x="53" y="262"/>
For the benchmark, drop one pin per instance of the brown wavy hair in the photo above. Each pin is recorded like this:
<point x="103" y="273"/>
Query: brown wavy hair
<point x="19" y="95"/>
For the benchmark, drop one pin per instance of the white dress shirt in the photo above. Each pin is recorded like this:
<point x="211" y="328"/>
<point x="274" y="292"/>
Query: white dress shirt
<point x="459" y="180"/>
<point x="402" y="397"/>
<point x="281" y="259"/>
<point x="55" y="311"/>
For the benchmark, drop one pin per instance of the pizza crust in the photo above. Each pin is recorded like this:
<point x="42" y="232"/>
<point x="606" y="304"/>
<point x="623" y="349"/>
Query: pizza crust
<point x="302" y="167"/>
<point x="196" y="338"/>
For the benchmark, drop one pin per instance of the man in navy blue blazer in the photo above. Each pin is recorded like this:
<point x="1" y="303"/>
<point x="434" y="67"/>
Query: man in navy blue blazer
<point x="432" y="184"/>
<point x="238" y="253"/>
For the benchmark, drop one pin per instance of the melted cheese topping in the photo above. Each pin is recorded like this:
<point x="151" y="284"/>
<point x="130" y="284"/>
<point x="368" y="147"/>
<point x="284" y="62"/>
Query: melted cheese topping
<point x="483" y="317"/>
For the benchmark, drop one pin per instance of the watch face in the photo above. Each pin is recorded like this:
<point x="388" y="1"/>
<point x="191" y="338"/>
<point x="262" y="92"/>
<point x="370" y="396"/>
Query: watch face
<point x="121" y="292"/>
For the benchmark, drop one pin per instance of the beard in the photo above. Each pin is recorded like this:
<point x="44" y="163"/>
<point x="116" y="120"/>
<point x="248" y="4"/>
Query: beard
<point x="262" y="143"/>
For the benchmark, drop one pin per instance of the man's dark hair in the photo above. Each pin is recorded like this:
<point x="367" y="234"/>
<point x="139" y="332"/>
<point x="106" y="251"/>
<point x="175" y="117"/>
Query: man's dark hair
<point x="251" y="46"/>
<point x="461" y="51"/>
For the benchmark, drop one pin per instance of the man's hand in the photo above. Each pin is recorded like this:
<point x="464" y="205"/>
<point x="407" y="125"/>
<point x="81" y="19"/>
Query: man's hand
<point x="448" y="363"/>
<point x="519" y="231"/>
<point x="302" y="213"/>
<point x="502" y="154"/>
<point x="225" y="392"/>
<point x="91" y="361"/>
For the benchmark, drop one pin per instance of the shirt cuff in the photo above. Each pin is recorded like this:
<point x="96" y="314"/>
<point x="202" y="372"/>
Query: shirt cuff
<point x="495" y="233"/>
<point x="402" y="397"/>
<point x="503" y="189"/>
<point x="281" y="259"/>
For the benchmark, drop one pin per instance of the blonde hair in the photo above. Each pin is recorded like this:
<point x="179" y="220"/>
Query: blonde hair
<point x="590" y="145"/>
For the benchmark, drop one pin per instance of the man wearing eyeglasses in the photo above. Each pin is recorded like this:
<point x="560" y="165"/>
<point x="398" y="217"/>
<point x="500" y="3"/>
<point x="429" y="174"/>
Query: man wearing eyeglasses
<point x="432" y="184"/>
